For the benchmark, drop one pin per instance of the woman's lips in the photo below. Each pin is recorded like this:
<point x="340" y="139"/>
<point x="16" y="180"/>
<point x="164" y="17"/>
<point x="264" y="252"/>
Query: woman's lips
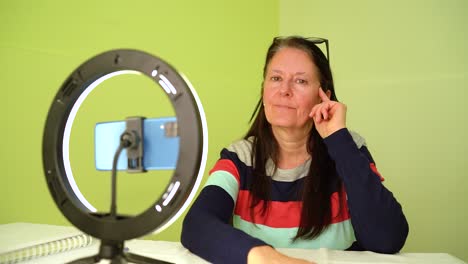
<point x="283" y="106"/>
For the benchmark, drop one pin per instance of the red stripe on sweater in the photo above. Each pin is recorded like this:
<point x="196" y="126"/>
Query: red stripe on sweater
<point x="374" y="169"/>
<point x="286" y="214"/>
<point x="228" y="166"/>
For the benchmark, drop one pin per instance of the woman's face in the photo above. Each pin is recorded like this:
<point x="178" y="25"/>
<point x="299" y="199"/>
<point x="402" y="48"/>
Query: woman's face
<point x="290" y="89"/>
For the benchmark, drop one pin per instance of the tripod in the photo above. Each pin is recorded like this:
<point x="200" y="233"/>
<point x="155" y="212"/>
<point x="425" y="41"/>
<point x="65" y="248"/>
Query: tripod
<point x="114" y="251"/>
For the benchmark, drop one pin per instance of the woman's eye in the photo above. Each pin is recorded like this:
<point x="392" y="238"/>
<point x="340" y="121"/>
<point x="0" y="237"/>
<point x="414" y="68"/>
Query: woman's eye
<point x="301" y="81"/>
<point x="275" y="78"/>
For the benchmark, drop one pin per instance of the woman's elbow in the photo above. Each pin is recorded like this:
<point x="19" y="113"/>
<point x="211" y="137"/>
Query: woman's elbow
<point x="393" y="242"/>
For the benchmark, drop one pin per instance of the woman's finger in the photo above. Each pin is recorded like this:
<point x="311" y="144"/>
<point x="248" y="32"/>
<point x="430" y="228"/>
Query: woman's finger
<point x="323" y="95"/>
<point x="324" y="111"/>
<point x="319" y="113"/>
<point x="314" y="110"/>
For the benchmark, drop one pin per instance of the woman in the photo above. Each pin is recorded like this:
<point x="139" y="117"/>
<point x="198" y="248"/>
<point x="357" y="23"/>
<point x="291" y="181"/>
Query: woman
<point x="299" y="178"/>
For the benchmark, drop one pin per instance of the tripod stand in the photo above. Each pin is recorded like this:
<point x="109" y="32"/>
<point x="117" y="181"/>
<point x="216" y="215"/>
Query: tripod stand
<point x="114" y="251"/>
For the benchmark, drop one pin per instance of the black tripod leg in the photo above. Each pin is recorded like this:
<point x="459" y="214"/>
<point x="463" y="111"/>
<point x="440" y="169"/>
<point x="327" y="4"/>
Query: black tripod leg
<point x="86" y="260"/>
<point x="133" y="258"/>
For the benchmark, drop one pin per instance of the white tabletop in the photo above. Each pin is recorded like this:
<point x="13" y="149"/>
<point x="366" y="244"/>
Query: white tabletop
<point x="176" y="253"/>
<point x="20" y="235"/>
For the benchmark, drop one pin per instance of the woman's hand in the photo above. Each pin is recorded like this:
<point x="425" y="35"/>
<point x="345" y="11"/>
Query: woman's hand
<point x="329" y="116"/>
<point x="268" y="255"/>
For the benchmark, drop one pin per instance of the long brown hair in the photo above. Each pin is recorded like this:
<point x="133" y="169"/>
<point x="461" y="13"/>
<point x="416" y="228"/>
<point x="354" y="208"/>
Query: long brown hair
<point x="321" y="179"/>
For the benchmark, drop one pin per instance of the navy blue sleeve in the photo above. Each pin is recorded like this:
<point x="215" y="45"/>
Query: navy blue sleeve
<point x="207" y="233"/>
<point x="377" y="218"/>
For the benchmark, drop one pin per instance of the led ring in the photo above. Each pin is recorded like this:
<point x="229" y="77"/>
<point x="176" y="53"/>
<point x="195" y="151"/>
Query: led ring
<point x="192" y="130"/>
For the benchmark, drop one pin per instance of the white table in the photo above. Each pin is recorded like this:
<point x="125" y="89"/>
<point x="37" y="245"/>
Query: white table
<point x="20" y="235"/>
<point x="176" y="253"/>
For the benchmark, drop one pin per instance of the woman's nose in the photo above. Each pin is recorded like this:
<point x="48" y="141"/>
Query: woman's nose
<point x="286" y="89"/>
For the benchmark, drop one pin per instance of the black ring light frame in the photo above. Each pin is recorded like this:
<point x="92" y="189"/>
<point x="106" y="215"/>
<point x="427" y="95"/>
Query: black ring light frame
<point x="192" y="130"/>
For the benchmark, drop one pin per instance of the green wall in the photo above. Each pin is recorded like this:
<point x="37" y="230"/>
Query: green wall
<point x="402" y="69"/>
<point x="399" y="66"/>
<point x="218" y="45"/>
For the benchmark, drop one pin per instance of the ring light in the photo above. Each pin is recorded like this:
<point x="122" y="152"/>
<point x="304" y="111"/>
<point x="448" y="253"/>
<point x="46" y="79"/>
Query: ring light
<point x="192" y="130"/>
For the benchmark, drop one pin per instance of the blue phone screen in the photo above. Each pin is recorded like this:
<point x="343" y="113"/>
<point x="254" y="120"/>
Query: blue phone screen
<point x="160" y="150"/>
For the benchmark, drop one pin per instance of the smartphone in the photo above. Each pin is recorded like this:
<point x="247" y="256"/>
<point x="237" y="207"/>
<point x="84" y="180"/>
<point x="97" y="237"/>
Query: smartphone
<point x="160" y="145"/>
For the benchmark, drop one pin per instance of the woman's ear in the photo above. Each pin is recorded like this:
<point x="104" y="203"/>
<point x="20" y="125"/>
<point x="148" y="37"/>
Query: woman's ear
<point x="328" y="93"/>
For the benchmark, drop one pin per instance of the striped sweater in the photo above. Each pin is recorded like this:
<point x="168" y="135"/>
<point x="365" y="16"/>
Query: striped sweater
<point x="365" y="215"/>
